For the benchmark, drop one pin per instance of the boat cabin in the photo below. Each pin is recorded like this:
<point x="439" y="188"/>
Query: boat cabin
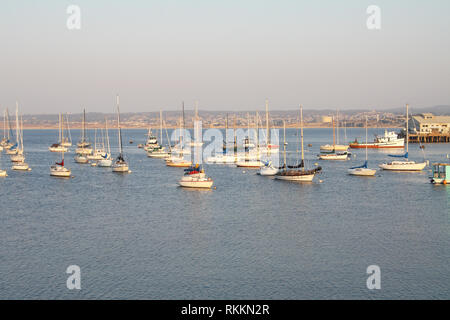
<point x="441" y="173"/>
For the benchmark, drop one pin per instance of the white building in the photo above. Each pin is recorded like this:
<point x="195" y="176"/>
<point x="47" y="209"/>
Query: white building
<point x="429" y="123"/>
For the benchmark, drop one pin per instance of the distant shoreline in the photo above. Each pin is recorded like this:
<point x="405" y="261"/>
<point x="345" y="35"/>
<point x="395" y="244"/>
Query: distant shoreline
<point x="206" y="127"/>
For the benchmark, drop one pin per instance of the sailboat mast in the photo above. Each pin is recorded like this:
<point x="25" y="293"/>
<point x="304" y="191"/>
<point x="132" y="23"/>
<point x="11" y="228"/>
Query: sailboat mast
<point x="334" y="135"/>
<point x="366" y="139"/>
<point x="160" y="126"/>
<point x="17" y="125"/>
<point x="407" y="129"/>
<point x="267" y="125"/>
<point x="107" y="136"/>
<point x="62" y="128"/>
<point x="118" y="126"/>
<point x="21" y="133"/>
<point x="301" y="135"/>
<point x="284" y="143"/>
<point x="68" y="128"/>
<point x="337" y="125"/>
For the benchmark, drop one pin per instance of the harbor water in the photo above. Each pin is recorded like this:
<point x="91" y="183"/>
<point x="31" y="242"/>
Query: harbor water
<point x="140" y="236"/>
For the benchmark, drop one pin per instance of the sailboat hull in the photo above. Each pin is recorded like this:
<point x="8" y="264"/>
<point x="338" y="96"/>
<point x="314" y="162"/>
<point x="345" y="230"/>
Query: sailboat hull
<point x="104" y="163"/>
<point x="268" y="171"/>
<point x="249" y="164"/>
<point x="188" y="182"/>
<point x="362" y="172"/>
<point x="121" y="169"/>
<point x="403" y="166"/>
<point x="60" y="172"/>
<point x="303" y="178"/>
<point x="333" y="156"/>
<point x="3" y="173"/>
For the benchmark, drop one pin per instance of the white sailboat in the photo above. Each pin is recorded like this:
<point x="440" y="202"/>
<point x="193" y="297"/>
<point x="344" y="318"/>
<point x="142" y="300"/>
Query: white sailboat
<point x="18" y="156"/>
<point x="363" y="170"/>
<point x="67" y="141"/>
<point x="59" y="147"/>
<point x="107" y="160"/>
<point x="7" y="134"/>
<point x="98" y="152"/>
<point x="404" y="165"/>
<point x="160" y="152"/>
<point x="120" y="165"/>
<point x="334" y="155"/>
<point x="296" y="173"/>
<point x="59" y="170"/>
<point x="335" y="147"/>
<point x="84" y="146"/>
<point x="195" y="177"/>
<point x="19" y="163"/>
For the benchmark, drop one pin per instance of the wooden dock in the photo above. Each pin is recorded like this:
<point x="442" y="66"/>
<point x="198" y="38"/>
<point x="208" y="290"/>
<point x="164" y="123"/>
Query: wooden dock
<point x="429" y="138"/>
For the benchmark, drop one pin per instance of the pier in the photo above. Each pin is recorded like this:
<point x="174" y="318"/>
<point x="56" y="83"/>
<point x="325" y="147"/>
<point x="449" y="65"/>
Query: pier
<point x="429" y="138"/>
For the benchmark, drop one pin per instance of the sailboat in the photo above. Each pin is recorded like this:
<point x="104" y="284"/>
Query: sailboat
<point x="176" y="160"/>
<point x="196" y="143"/>
<point x="106" y="161"/>
<point x="120" y="165"/>
<point x="296" y="173"/>
<point x="18" y="156"/>
<point x="59" y="170"/>
<point x="59" y="147"/>
<point x="269" y="147"/>
<point x="195" y="177"/>
<point x="67" y="141"/>
<point x="363" y="170"/>
<point x="334" y="155"/>
<point x="250" y="159"/>
<point x="334" y="147"/>
<point x="7" y="134"/>
<point x="19" y="159"/>
<point x="404" y="165"/>
<point x="98" y="153"/>
<point x="83" y="145"/>
<point x="160" y="151"/>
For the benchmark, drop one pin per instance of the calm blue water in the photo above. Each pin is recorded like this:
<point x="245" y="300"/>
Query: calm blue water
<point x="139" y="236"/>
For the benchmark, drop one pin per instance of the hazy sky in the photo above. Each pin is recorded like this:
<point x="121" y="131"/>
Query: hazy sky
<point x="228" y="54"/>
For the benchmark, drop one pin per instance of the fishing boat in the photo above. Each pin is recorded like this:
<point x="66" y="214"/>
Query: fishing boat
<point x="298" y="172"/>
<point x="120" y="165"/>
<point x="363" y="170"/>
<point x="404" y="165"/>
<point x="59" y="147"/>
<point x="59" y="170"/>
<point x="84" y="146"/>
<point x="388" y="141"/>
<point x="152" y="141"/>
<point x="106" y="160"/>
<point x="333" y="155"/>
<point x="441" y="173"/>
<point x="332" y="148"/>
